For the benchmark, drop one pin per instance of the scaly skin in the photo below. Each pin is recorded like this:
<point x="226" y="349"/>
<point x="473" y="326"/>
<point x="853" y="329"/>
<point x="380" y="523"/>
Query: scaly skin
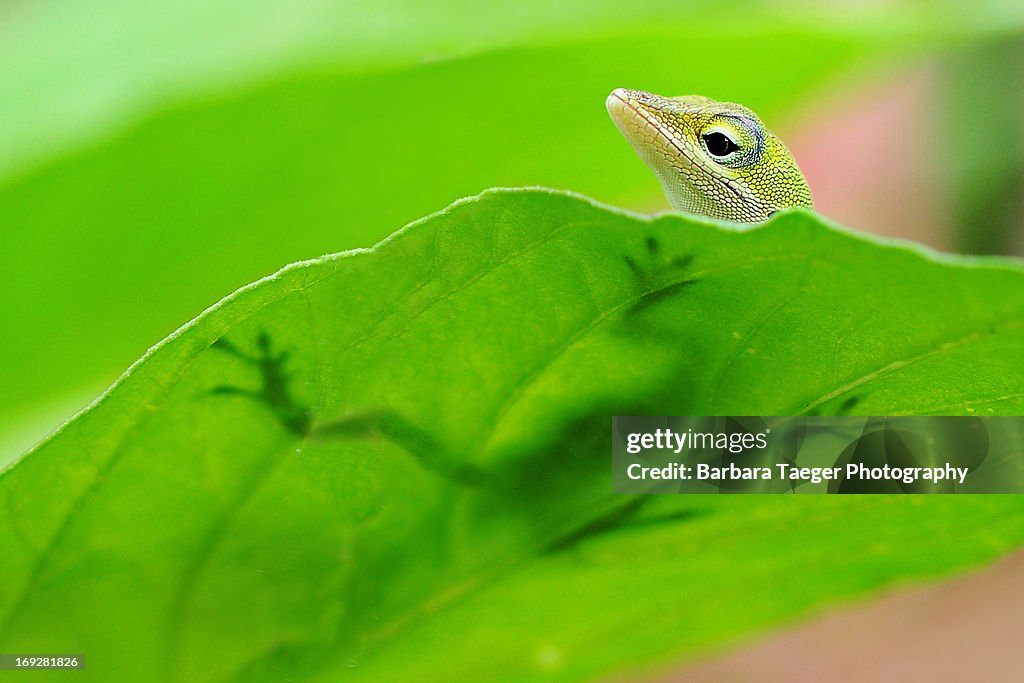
<point x="713" y="158"/>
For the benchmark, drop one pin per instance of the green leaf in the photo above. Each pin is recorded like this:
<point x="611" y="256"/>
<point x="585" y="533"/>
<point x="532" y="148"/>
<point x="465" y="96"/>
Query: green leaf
<point x="156" y="156"/>
<point x="171" y="215"/>
<point x="394" y="462"/>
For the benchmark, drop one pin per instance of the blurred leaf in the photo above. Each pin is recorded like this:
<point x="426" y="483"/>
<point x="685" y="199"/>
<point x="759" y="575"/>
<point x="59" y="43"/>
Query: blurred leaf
<point x="394" y="462"/>
<point x="983" y="113"/>
<point x="75" y="68"/>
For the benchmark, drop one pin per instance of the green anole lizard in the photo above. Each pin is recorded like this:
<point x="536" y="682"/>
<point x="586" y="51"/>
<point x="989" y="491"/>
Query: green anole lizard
<point x="713" y="158"/>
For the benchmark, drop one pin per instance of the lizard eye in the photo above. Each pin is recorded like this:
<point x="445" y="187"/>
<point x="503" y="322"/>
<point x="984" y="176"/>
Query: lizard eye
<point x="719" y="144"/>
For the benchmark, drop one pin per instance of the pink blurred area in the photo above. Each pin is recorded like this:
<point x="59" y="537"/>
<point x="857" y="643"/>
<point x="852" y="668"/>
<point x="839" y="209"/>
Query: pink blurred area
<point x="867" y="155"/>
<point x="967" y="629"/>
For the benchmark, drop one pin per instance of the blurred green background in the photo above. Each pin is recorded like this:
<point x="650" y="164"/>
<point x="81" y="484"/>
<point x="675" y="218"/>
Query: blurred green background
<point x="156" y="156"/>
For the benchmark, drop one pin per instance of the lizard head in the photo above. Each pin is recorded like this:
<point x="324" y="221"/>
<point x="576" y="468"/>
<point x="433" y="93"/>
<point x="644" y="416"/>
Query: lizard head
<point x="713" y="158"/>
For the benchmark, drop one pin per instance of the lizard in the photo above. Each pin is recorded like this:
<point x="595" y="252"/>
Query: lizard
<point x="713" y="158"/>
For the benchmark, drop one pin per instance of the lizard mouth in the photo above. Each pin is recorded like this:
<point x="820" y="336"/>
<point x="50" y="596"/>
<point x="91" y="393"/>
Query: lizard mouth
<point x="634" y="117"/>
